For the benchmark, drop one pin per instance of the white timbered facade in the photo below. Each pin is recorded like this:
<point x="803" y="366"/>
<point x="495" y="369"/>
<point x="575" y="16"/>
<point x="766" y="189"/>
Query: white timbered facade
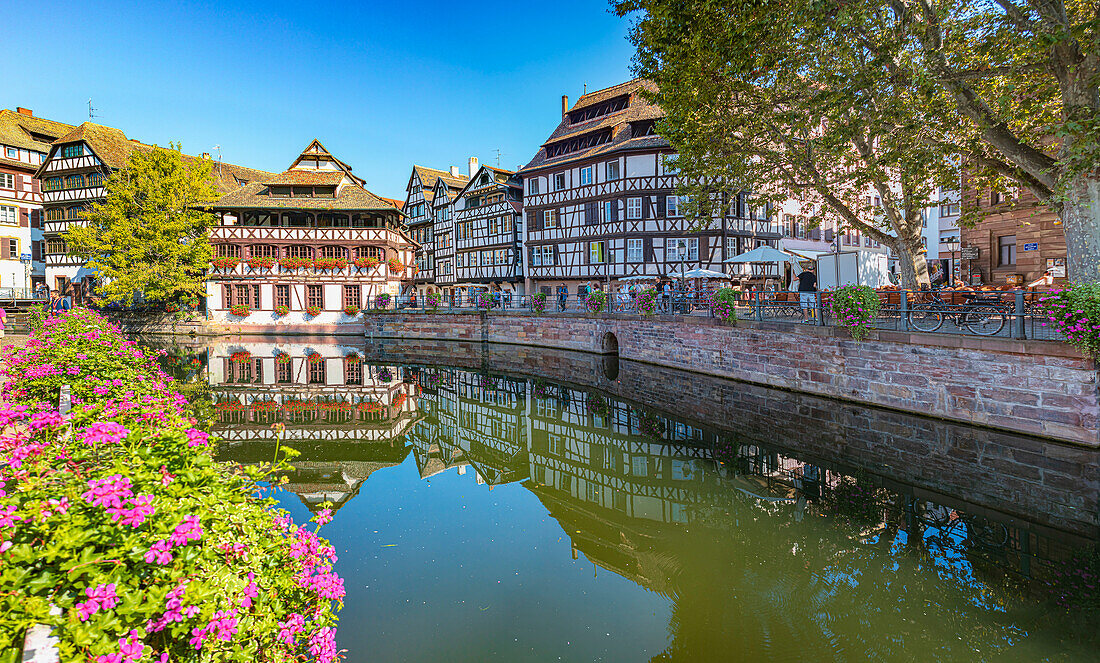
<point x="24" y="144"/>
<point x="487" y="233"/>
<point x="305" y="247"/>
<point x="427" y="207"/>
<point x="601" y="202"/>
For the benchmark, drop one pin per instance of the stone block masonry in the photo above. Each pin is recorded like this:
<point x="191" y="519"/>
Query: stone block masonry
<point x="1037" y="387"/>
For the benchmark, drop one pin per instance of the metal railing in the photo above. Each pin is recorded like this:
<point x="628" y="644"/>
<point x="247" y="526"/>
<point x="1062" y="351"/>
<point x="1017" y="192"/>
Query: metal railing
<point x="1014" y="314"/>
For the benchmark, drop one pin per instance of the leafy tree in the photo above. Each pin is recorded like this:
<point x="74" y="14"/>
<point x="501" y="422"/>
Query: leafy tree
<point x="148" y="238"/>
<point x="827" y="95"/>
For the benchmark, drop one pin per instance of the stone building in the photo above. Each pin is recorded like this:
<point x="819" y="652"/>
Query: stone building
<point x="1017" y="236"/>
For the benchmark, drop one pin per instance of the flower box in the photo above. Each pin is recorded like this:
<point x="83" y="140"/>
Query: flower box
<point x="313" y="311"/>
<point x="382" y="301"/>
<point x="282" y="357"/>
<point x="292" y="264"/>
<point x="315" y="358"/>
<point x="239" y="310"/>
<point x="261" y="262"/>
<point x="366" y="263"/>
<point x="225" y="263"/>
<point x="240" y="356"/>
<point x="282" y="310"/>
<point x="330" y="263"/>
<point x="395" y="266"/>
<point x="351" y="310"/>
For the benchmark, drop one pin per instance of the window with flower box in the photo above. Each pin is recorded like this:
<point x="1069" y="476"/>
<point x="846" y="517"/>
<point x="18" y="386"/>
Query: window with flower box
<point x="353" y="296"/>
<point x="297" y="251"/>
<point x="284" y="374"/>
<point x="229" y="251"/>
<point x="315" y="296"/>
<point x="282" y="295"/>
<point x="353" y="371"/>
<point x="333" y="252"/>
<point x="263" y="251"/>
<point x="317" y="372"/>
<point x="368" y="252"/>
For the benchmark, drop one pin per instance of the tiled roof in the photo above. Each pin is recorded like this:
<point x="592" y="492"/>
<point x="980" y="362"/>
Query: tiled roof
<point x="428" y="176"/>
<point x="18" y="130"/>
<point x="399" y="204"/>
<point x="307" y="177"/>
<point x="619" y="122"/>
<point x="349" y="197"/>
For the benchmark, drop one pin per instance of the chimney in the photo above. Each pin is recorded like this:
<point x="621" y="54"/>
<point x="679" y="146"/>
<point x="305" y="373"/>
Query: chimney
<point x="205" y="155"/>
<point x="472" y="166"/>
<point x="454" y="171"/>
<point x="564" y="105"/>
<point x="24" y="111"/>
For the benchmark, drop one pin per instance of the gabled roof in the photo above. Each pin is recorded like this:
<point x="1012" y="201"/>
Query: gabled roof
<point x="428" y="178"/>
<point x="639" y="109"/>
<point x="500" y="177"/>
<point x="307" y="177"/>
<point x="315" y="150"/>
<point x="29" y="132"/>
<point x="399" y="204"/>
<point x="113" y="148"/>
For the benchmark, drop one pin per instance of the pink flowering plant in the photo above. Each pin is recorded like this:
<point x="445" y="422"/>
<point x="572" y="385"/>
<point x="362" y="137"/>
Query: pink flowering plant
<point x="434" y="299"/>
<point x="1074" y="312"/>
<point x="856" y="307"/>
<point x="647" y="301"/>
<point x="117" y="514"/>
<point x="724" y="304"/>
<point x="538" y="303"/>
<point x="595" y="301"/>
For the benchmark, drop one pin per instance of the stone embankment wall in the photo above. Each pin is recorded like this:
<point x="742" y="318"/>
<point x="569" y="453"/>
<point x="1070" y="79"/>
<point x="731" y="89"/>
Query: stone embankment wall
<point x="1028" y="479"/>
<point x="1038" y="387"/>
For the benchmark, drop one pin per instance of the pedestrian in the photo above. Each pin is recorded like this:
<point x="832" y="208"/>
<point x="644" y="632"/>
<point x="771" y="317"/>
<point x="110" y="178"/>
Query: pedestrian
<point x="412" y="299"/>
<point x="807" y="293"/>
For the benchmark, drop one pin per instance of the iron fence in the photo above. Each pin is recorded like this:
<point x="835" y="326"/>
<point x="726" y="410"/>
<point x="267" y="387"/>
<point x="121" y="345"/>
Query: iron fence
<point x="1015" y="314"/>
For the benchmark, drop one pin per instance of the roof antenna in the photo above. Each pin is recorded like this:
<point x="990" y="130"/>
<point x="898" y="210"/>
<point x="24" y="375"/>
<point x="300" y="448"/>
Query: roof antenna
<point x="91" y="111"/>
<point x="586" y="88"/>
<point x="498" y="157"/>
<point x="219" y="149"/>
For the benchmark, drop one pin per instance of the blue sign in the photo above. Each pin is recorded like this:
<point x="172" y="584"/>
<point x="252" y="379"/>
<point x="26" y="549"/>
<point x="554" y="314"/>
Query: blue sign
<point x="1031" y="246"/>
<point x="25" y="257"/>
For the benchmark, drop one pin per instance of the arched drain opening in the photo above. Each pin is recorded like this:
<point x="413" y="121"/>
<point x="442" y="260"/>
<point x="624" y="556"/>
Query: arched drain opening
<point x="609" y="345"/>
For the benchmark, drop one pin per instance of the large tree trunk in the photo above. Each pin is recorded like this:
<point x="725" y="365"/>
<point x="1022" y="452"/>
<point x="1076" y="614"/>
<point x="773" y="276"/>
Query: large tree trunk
<point x="1081" y="223"/>
<point x="912" y="263"/>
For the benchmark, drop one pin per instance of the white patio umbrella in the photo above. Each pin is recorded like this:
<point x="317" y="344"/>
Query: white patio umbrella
<point x="640" y="277"/>
<point x="764" y="254"/>
<point x="699" y="274"/>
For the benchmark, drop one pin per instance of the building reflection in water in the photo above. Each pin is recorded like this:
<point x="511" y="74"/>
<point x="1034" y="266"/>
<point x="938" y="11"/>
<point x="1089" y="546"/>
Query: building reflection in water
<point x="639" y="493"/>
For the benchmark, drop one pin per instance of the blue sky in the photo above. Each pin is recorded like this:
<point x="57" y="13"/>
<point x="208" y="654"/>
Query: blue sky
<point x="383" y="85"/>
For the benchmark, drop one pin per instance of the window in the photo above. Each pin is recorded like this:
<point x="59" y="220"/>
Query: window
<point x="55" y="247"/>
<point x="995" y="198"/>
<point x="634" y="250"/>
<point x="52" y="184"/>
<point x="800" y="227"/>
<point x="494" y="225"/>
<point x="13" y="153"/>
<point x="282" y="295"/>
<point x="550" y="218"/>
<point x="74" y="212"/>
<point x="543" y="256"/>
<point x="553" y="444"/>
<point x="680" y="249"/>
<point x="1006" y="251"/>
<point x="353" y="370"/>
<point x="70" y="151"/>
<point x="333" y="252"/>
<point x="533" y="185"/>
<point x="262" y="251"/>
<point x="586" y="175"/>
<point x="633" y="208"/>
<point x="10" y="248"/>
<point x="55" y="214"/>
<point x="672" y="206"/>
<point x="96" y="179"/>
<point x="353" y="296"/>
<point x="612" y="170"/>
<point x="283" y="372"/>
<point x="596" y="253"/>
<point x="74" y="182"/>
<point x="229" y="251"/>
<point x="316" y="371"/>
<point x="788" y="225"/>
<point x="9" y="214"/>
<point x="368" y="252"/>
<point x="949" y="209"/>
<point x="609" y="211"/>
<point x="315" y="296"/>
<point x="506" y="223"/>
<point x="298" y="251"/>
<point x="7" y="181"/>
<point x="559" y="181"/>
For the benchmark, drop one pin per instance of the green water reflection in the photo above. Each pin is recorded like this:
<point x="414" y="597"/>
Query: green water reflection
<point x="633" y="534"/>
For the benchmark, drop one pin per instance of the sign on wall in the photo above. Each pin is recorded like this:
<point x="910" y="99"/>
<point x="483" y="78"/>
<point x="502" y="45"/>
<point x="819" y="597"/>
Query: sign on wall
<point x="1031" y="246"/>
<point x="969" y="253"/>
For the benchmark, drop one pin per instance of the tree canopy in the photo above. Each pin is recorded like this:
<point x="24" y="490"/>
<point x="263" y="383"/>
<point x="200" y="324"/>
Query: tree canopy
<point x="147" y="240"/>
<point x="825" y="99"/>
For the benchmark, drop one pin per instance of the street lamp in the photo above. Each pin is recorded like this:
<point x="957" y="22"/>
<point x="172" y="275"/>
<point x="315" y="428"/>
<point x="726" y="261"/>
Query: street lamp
<point x="952" y="245"/>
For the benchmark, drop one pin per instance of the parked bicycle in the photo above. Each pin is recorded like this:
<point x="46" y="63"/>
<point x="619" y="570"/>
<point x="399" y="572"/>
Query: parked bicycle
<point x="982" y="315"/>
<point x="949" y="522"/>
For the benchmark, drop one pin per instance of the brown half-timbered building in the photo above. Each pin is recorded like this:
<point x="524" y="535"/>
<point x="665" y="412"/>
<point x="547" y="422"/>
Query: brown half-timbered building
<point x="24" y="143"/>
<point x="311" y="238"/>
<point x="488" y="232"/>
<point x="601" y="201"/>
<point x="73" y="176"/>
<point x="427" y="206"/>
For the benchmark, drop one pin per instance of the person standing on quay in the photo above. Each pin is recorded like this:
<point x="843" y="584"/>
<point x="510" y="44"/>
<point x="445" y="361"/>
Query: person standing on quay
<point x="807" y="293"/>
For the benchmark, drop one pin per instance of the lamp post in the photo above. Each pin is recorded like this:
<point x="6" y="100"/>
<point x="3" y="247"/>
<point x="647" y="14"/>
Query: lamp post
<point x="952" y="245"/>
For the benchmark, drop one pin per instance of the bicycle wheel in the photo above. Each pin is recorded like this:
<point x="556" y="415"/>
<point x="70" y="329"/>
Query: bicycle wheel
<point x="988" y="533"/>
<point x="925" y="318"/>
<point x="984" y="319"/>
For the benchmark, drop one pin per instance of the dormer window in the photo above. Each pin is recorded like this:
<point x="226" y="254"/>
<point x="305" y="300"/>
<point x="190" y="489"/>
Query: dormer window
<point x="280" y="191"/>
<point x="612" y="105"/>
<point x="70" y="151"/>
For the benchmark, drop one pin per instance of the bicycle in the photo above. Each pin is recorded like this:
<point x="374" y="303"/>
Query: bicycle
<point x="986" y="532"/>
<point x="984" y="316"/>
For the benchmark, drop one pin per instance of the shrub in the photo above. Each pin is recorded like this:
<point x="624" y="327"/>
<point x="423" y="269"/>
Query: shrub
<point x="538" y="303"/>
<point x="595" y="301"/>
<point x="225" y="263"/>
<point x="282" y="310"/>
<point x="35" y="319"/>
<point x="434" y="299"/>
<point x="1075" y="313"/>
<point x="351" y="309"/>
<point x="855" y="307"/>
<point x="647" y="301"/>
<point x="382" y="301"/>
<point x="483" y="300"/>
<point x="724" y="304"/>
<point x="313" y="311"/>
<point x="239" y="310"/>
<point x="118" y="515"/>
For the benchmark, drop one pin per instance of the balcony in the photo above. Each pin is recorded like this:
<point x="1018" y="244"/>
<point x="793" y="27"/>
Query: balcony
<point x="281" y="235"/>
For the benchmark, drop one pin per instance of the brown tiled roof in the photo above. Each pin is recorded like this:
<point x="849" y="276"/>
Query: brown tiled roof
<point x="18" y="130"/>
<point x="619" y="122"/>
<point x="399" y="204"/>
<point x="428" y="176"/>
<point x="257" y="196"/>
<point x="307" y="177"/>
<point x="113" y="148"/>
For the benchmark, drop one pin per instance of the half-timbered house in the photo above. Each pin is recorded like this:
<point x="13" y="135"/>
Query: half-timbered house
<point x="488" y="232"/>
<point x="73" y="176"/>
<point x="427" y="206"/>
<point x="307" y="246"/>
<point x="24" y="143"/>
<point x="601" y="200"/>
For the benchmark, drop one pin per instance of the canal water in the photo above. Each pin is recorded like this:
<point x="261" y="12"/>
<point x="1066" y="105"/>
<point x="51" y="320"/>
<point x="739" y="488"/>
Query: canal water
<point x="510" y="504"/>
